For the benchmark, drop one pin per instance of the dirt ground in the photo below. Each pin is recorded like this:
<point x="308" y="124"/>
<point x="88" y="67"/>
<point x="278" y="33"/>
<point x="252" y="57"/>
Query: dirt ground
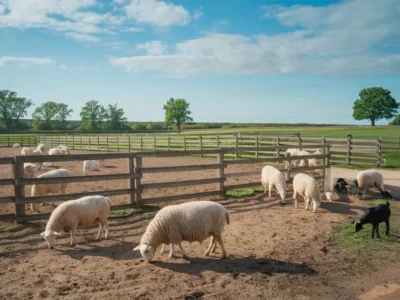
<point x="275" y="252"/>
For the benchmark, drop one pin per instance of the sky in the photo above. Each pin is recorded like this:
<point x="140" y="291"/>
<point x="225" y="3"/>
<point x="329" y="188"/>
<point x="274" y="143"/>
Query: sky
<point x="234" y="61"/>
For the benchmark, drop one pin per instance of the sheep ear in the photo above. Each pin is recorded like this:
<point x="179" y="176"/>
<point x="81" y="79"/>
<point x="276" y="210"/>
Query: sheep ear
<point x="137" y="248"/>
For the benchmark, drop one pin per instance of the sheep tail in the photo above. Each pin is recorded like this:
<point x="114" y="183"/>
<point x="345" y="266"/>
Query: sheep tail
<point x="109" y="201"/>
<point x="227" y="217"/>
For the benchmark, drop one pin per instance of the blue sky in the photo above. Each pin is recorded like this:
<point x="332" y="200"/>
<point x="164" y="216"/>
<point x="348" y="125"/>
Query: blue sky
<point x="234" y="61"/>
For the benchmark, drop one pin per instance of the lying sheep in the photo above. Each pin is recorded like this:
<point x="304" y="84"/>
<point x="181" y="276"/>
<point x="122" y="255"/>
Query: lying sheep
<point x="41" y="147"/>
<point x="55" y="151"/>
<point x="271" y="176"/>
<point x="90" y="165"/>
<point x="44" y="189"/>
<point x="83" y="212"/>
<point x="307" y="187"/>
<point x="16" y="145"/>
<point x="64" y="149"/>
<point x="375" y="215"/>
<point x="368" y="179"/>
<point x="192" y="221"/>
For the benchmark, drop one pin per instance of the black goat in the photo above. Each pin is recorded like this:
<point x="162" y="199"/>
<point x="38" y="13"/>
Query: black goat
<point x="385" y="194"/>
<point x="375" y="215"/>
<point x="340" y="185"/>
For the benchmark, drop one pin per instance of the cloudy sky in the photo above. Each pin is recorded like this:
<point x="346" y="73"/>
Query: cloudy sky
<point x="233" y="60"/>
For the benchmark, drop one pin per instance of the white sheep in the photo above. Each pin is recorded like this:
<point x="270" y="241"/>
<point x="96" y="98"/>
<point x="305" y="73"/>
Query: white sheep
<point x="27" y="151"/>
<point x="83" y="212"/>
<point x="368" y="179"/>
<point x="64" y="149"/>
<point x="293" y="152"/>
<point x="41" y="147"/>
<point x="56" y="151"/>
<point x="16" y="145"/>
<point x="307" y="187"/>
<point x="39" y="152"/>
<point x="90" y="165"/>
<point x="271" y="176"/>
<point x="331" y="196"/>
<point x="313" y="162"/>
<point x="303" y="162"/>
<point x="44" y="189"/>
<point x="192" y="221"/>
<point x="30" y="169"/>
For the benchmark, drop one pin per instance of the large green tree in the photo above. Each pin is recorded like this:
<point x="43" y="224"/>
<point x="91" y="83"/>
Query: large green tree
<point x="92" y="115"/>
<point x="63" y="113"/>
<point x="51" y="115"/>
<point x="375" y="103"/>
<point x="115" y="117"/>
<point x="12" y="108"/>
<point x="396" y="121"/>
<point x="177" y="112"/>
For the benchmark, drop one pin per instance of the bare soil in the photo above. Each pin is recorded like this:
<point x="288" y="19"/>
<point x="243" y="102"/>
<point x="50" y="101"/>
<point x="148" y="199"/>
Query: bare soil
<point x="275" y="252"/>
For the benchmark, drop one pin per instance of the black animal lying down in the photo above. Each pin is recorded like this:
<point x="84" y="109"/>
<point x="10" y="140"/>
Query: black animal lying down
<point x="375" y="215"/>
<point x="340" y="185"/>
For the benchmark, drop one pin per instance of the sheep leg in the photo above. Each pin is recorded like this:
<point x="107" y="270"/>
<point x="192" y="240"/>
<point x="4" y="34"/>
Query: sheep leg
<point x="214" y="246"/>
<point x="269" y="190"/>
<point x="306" y="202"/>
<point x="73" y="239"/>
<point x="106" y="230"/>
<point x="98" y="235"/>
<point x="387" y="227"/>
<point x="171" y="250"/>
<point x="183" y="251"/>
<point x="219" y="240"/>
<point x="373" y="230"/>
<point x="210" y="247"/>
<point x="314" y="204"/>
<point x="295" y="198"/>
<point x="162" y="248"/>
<point x="265" y="189"/>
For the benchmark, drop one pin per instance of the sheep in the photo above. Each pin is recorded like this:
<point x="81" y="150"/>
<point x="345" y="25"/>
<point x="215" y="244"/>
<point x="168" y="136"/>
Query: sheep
<point x="55" y="151"/>
<point x="192" y="221"/>
<point x="64" y="149"/>
<point x="39" y="152"/>
<point x="85" y="211"/>
<point x="271" y="176"/>
<point x="313" y="162"/>
<point x="41" y="147"/>
<point x="331" y="196"/>
<point x="375" y="215"/>
<point x="90" y="165"/>
<point x="44" y="189"/>
<point x="340" y="185"/>
<point x="16" y="145"/>
<point x="27" y="151"/>
<point x="307" y="187"/>
<point x="368" y="179"/>
<point x="293" y="152"/>
<point x="30" y="170"/>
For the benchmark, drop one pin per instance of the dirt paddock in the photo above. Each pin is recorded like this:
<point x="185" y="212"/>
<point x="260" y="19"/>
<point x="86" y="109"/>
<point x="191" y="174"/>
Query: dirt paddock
<point x="275" y="252"/>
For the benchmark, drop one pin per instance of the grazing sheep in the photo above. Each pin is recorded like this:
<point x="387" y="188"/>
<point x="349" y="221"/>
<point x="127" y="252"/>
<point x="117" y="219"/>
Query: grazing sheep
<point x="192" y="221"/>
<point x="83" y="212"/>
<point x="90" y="165"/>
<point x="375" y="215"/>
<point x="30" y="170"/>
<point x="16" y="145"/>
<point x="44" y="189"/>
<point x="307" y="187"/>
<point x="368" y="179"/>
<point x="340" y="185"/>
<point x="271" y="176"/>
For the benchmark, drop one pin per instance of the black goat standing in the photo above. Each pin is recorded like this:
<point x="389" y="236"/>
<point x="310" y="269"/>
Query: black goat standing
<point x="375" y="215"/>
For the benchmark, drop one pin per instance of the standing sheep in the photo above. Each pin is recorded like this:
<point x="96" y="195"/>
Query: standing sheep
<point x="368" y="179"/>
<point x="313" y="162"/>
<point x="16" y="145"/>
<point x="27" y="151"/>
<point x="90" y="165"/>
<point x="192" y="221"/>
<point x="271" y="176"/>
<point x="44" y="189"/>
<point x="307" y="187"/>
<point x="39" y="152"/>
<point x="83" y="212"/>
<point x="375" y="215"/>
<point x="64" y="149"/>
<point x="55" y="151"/>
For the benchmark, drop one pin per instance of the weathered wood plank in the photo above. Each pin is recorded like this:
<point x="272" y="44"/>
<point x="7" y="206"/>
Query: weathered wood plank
<point x="182" y="168"/>
<point x="73" y="157"/>
<point x="7" y="217"/>
<point x="160" y="185"/>
<point x="8" y="199"/>
<point x="70" y="179"/>
<point x="6" y="182"/>
<point x="181" y="197"/>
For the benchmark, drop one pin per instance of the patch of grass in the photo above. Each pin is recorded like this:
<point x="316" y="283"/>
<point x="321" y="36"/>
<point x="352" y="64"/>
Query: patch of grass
<point x="12" y="227"/>
<point x="121" y="213"/>
<point x="245" y="192"/>
<point x="393" y="160"/>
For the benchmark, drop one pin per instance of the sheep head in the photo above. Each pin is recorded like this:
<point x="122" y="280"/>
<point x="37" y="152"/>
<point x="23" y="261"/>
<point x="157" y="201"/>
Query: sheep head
<point x="50" y="237"/>
<point x="146" y="251"/>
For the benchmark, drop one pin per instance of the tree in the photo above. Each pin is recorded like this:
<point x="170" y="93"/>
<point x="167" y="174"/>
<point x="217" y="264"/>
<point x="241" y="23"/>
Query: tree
<point x="396" y="121"/>
<point x="92" y="114"/>
<point x="12" y="108"/>
<point x="177" y="112"/>
<point x="115" y="117"/>
<point x="375" y="103"/>
<point x="44" y="115"/>
<point x="138" y="126"/>
<point x="63" y="113"/>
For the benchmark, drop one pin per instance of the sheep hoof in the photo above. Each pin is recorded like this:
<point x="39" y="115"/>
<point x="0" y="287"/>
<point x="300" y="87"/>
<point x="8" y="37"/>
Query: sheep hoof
<point x="207" y="254"/>
<point x="185" y="257"/>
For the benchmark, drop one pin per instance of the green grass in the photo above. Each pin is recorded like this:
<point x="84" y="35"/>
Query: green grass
<point x="121" y="213"/>
<point x="393" y="160"/>
<point x="245" y="192"/>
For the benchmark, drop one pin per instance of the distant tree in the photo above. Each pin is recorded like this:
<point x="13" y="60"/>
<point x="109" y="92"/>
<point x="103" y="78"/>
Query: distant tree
<point x="138" y="126"/>
<point x="45" y="115"/>
<point x="115" y="117"/>
<point x="12" y="108"/>
<point x="149" y="126"/>
<point x="63" y="113"/>
<point x="92" y="115"/>
<point x="375" y="103"/>
<point x="177" y="112"/>
<point x="396" y="121"/>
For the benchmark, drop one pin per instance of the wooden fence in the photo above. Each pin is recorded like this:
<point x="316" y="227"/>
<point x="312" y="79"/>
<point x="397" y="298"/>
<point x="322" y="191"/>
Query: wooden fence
<point x="345" y="151"/>
<point x="22" y="140"/>
<point x="135" y="171"/>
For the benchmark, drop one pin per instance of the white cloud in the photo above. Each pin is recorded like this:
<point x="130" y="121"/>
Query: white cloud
<point x="25" y="61"/>
<point x="120" y="1"/>
<point x="132" y="29"/>
<point x="158" y="13"/>
<point x="82" y="37"/>
<point x="63" y="67"/>
<point x="2" y="9"/>
<point x="197" y="13"/>
<point x="153" y="47"/>
<point x="346" y="38"/>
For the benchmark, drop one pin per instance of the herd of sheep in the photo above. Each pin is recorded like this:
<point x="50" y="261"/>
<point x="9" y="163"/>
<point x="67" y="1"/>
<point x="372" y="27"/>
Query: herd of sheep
<point x="192" y="221"/>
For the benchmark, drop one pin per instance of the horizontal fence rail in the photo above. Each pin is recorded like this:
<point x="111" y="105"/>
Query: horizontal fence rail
<point x="136" y="170"/>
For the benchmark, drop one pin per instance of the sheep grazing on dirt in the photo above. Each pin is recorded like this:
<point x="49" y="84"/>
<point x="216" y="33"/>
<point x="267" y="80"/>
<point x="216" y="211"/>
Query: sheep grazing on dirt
<point x="375" y="215"/>
<point x="16" y="145"/>
<point x="368" y="179"/>
<point x="192" y="221"/>
<point x="83" y="212"/>
<point x="307" y="187"/>
<point x="340" y="185"/>
<point x="271" y="176"/>
<point x="44" y="189"/>
<point x="90" y="165"/>
<point x="30" y="170"/>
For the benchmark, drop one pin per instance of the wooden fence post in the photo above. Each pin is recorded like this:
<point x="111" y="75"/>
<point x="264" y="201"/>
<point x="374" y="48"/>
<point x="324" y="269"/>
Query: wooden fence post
<point x="81" y="143"/>
<point x="117" y="143"/>
<point x="184" y="143"/>
<point x="19" y="190"/>
<point x="217" y="141"/>
<point x="58" y="139"/>
<point x="138" y="170"/>
<point x="288" y="166"/>
<point x="168" y="145"/>
<point x="201" y="145"/>
<point x="129" y="143"/>
<point x="131" y="181"/>
<point x="8" y="141"/>
<point x="107" y="143"/>
<point x="256" y="144"/>
<point x="323" y="169"/>
<point x="379" y="152"/>
<point x="236" y="146"/>
<point x="278" y="152"/>
<point x="300" y="142"/>
<point x="348" y="150"/>
<point x="141" y="144"/>
<point x="154" y="143"/>
<point x="98" y="143"/>
<point x="22" y="141"/>
<point x="29" y="140"/>
<point x="220" y="172"/>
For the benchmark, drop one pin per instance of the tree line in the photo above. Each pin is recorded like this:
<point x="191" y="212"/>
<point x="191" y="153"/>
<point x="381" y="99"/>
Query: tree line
<point x="94" y="116"/>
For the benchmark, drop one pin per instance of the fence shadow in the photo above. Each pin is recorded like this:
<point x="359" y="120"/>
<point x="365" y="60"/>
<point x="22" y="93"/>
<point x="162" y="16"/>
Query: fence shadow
<point x="341" y="208"/>
<point x="237" y="266"/>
